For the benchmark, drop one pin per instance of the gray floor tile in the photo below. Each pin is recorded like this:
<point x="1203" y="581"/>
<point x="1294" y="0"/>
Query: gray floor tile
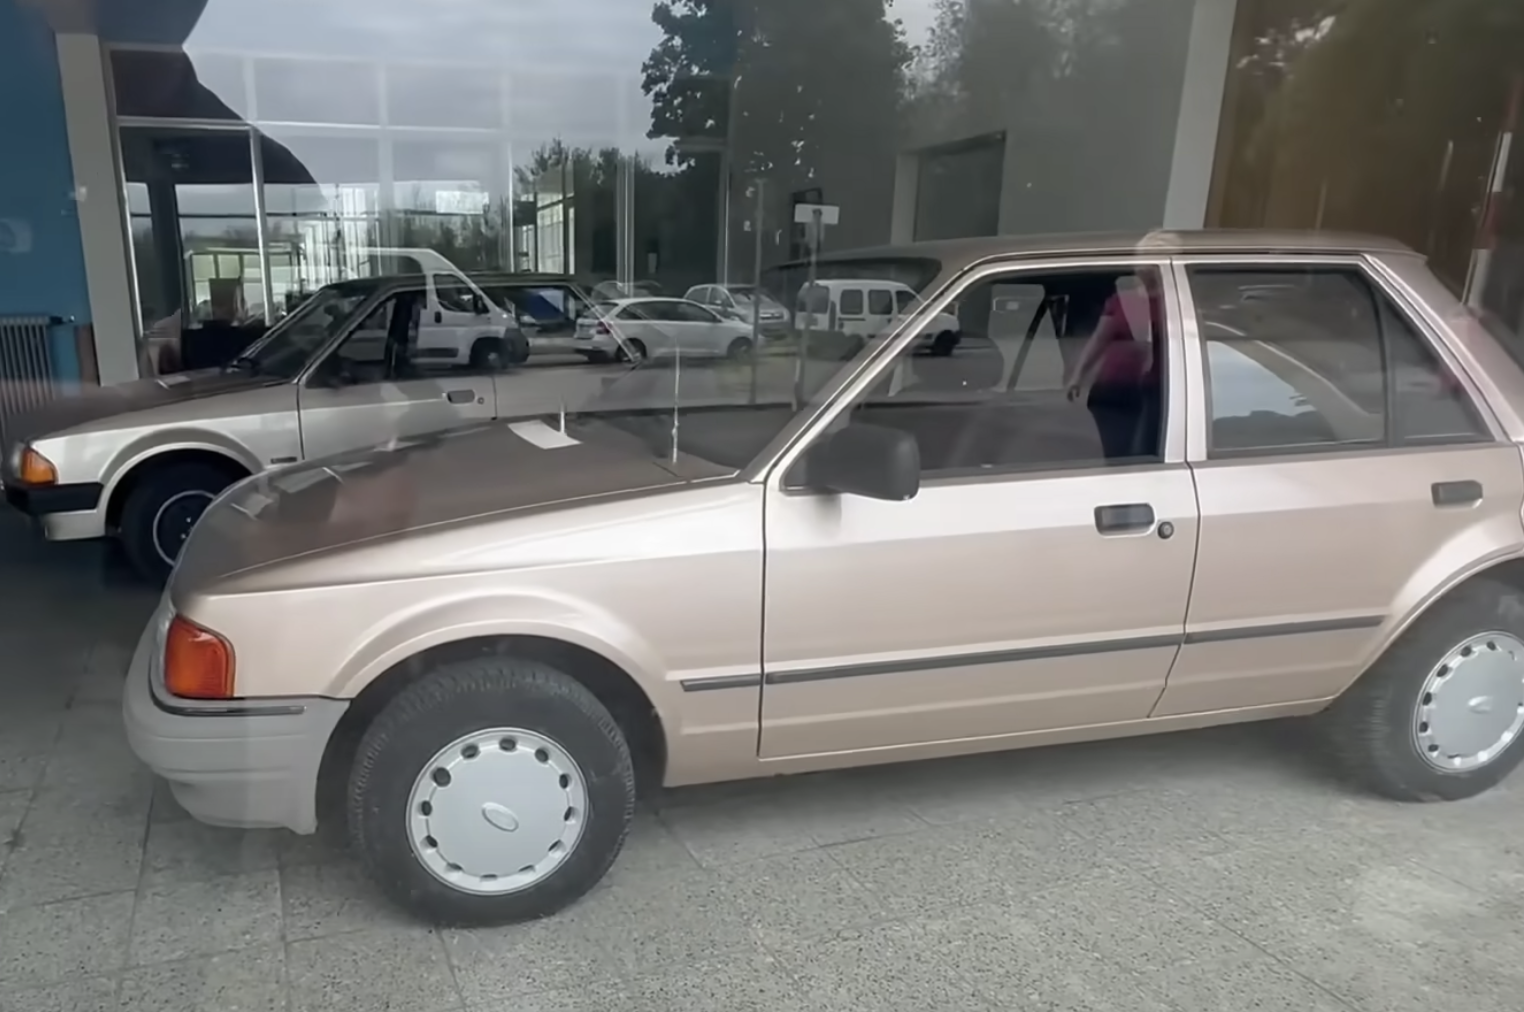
<point x="330" y="899"/>
<point x="563" y="952"/>
<point x="650" y="849"/>
<point x="206" y="917"/>
<point x="380" y="971"/>
<point x="668" y="920"/>
<point x="738" y="829"/>
<point x="1259" y="983"/>
<point x="900" y="967"/>
<point x="21" y="772"/>
<point x="61" y="942"/>
<point x="799" y="896"/>
<point x="71" y="846"/>
<point x="93" y="994"/>
<point x="755" y="983"/>
<point x="250" y="981"/>
<point x="184" y="850"/>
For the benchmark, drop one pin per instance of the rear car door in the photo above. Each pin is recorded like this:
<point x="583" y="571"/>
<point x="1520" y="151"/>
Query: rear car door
<point x="373" y="388"/>
<point x="1344" y="470"/>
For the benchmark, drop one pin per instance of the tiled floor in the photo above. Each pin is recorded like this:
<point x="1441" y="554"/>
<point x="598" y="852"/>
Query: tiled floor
<point x="1215" y="871"/>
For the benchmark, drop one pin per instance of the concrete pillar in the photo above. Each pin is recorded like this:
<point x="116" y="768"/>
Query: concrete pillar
<point x="101" y="205"/>
<point x="1206" y="77"/>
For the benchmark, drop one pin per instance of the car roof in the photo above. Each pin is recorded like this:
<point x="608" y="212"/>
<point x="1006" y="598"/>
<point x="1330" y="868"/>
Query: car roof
<point x="955" y="254"/>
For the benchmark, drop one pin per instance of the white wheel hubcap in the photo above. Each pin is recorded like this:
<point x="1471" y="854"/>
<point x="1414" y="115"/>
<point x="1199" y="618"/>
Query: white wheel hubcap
<point x="1471" y="707"/>
<point x="497" y="811"/>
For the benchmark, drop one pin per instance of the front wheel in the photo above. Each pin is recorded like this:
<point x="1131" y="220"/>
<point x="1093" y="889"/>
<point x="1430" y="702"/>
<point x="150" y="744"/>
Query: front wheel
<point x="1439" y="717"/>
<point x="492" y="791"/>
<point x="944" y="344"/>
<point x="161" y="510"/>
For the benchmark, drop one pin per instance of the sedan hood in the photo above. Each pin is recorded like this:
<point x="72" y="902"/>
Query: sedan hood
<point x="457" y="476"/>
<point x="93" y="404"/>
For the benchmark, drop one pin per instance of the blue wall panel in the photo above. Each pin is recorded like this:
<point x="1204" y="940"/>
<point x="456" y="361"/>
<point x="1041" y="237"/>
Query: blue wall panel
<point x="42" y="265"/>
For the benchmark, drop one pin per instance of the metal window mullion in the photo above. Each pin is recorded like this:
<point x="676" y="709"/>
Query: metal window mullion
<point x="257" y="164"/>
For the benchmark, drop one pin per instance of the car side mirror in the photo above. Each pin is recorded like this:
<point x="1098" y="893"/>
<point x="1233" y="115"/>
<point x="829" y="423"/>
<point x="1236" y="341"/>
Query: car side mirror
<point x="478" y="305"/>
<point x="873" y="461"/>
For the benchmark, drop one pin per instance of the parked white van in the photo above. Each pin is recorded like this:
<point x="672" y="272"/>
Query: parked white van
<point x="867" y="308"/>
<point x="459" y="324"/>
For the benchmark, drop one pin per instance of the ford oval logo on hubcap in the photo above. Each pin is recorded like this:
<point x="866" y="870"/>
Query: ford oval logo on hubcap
<point x="500" y="817"/>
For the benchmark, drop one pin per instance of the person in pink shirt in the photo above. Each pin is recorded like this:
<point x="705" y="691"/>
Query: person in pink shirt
<point x="1121" y="363"/>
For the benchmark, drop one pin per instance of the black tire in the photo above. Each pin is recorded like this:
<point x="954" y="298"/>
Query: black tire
<point x="739" y="350"/>
<point x="943" y="344"/>
<point x="452" y="702"/>
<point x="1371" y="727"/>
<point x="147" y="517"/>
<point x="516" y="349"/>
<point x="597" y="357"/>
<point x="633" y="351"/>
<point x="487" y="354"/>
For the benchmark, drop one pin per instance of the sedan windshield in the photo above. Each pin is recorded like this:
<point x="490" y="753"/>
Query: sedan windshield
<point x="291" y="344"/>
<point x="719" y="388"/>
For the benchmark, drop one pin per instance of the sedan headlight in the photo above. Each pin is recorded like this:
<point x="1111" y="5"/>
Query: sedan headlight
<point x="35" y="469"/>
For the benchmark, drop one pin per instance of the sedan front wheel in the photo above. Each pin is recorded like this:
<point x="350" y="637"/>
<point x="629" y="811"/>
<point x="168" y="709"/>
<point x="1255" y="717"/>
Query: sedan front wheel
<point x="492" y="791"/>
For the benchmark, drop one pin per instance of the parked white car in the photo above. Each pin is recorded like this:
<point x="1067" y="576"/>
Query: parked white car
<point x="635" y="329"/>
<point x="346" y="370"/>
<point x="741" y="302"/>
<point x="867" y="308"/>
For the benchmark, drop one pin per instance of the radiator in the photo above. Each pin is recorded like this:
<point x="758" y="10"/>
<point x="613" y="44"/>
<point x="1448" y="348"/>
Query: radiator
<point x="27" y="376"/>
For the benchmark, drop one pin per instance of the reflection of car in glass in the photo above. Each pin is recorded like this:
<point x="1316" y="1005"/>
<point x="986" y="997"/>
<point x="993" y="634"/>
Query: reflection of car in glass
<point x="714" y="573"/>
<point x="547" y="307"/>
<point x="606" y="290"/>
<point x="141" y="460"/>
<point x="742" y="302"/>
<point x="867" y="308"/>
<point x="637" y="329"/>
<point x="459" y="324"/>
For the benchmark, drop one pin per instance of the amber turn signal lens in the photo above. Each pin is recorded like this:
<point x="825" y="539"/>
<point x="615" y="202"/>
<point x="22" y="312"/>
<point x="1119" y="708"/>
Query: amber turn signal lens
<point x="36" y="469"/>
<point x="198" y="664"/>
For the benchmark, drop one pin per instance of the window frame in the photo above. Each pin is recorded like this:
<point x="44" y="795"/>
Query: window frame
<point x="779" y="466"/>
<point x="318" y="375"/>
<point x="443" y="282"/>
<point x="1199" y="436"/>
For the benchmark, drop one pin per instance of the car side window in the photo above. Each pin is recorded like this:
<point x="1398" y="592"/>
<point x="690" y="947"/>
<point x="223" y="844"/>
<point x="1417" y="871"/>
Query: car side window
<point x="687" y="312"/>
<point x="880" y="302"/>
<point x="1301" y="359"/>
<point x="377" y="349"/>
<point x="454" y="296"/>
<point x="1001" y="401"/>
<point x="851" y="302"/>
<point x="904" y="300"/>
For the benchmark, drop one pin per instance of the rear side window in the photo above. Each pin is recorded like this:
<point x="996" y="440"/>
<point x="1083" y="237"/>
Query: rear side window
<point x="880" y="302"/>
<point x="852" y="302"/>
<point x="1318" y="357"/>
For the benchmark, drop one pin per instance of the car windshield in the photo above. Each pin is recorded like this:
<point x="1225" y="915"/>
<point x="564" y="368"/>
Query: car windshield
<point x="290" y="344"/>
<point x="680" y="397"/>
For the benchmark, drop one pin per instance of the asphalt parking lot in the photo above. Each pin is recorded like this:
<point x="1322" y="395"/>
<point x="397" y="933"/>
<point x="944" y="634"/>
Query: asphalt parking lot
<point x="1221" y="870"/>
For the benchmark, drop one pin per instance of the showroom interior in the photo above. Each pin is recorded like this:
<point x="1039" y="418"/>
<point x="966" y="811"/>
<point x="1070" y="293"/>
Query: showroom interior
<point x="199" y="166"/>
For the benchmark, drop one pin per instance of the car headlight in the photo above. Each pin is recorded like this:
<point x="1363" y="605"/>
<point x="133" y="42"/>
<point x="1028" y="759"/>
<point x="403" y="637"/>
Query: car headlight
<point x="35" y="469"/>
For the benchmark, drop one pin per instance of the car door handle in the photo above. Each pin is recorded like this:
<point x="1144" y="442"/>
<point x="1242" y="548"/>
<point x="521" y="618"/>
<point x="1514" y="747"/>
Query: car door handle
<point x="461" y="396"/>
<point x="1456" y="493"/>
<point x="1124" y="518"/>
<point x="438" y="316"/>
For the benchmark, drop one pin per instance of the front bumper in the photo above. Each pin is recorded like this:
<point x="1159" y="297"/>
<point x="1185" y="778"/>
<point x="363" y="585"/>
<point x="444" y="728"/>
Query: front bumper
<point x="45" y="500"/>
<point x="247" y="764"/>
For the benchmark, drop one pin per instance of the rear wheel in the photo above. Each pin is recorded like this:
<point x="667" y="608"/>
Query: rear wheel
<point x="1441" y="715"/>
<point x="739" y="349"/>
<point x="161" y="510"/>
<point x="944" y="343"/>
<point x="492" y="791"/>
<point x="633" y="351"/>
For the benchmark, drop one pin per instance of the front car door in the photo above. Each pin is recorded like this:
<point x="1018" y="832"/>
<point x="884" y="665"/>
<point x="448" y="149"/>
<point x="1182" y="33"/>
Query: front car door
<point x="1344" y="468"/>
<point x="1033" y="583"/>
<point x="372" y="389"/>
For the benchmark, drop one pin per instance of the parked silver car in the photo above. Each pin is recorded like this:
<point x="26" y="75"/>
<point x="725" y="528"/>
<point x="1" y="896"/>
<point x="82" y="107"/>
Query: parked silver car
<point x="1167" y="482"/>
<point x="142" y="460"/>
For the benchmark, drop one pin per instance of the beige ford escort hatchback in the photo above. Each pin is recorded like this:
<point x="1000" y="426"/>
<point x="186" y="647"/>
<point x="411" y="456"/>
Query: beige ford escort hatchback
<point x="1163" y="483"/>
